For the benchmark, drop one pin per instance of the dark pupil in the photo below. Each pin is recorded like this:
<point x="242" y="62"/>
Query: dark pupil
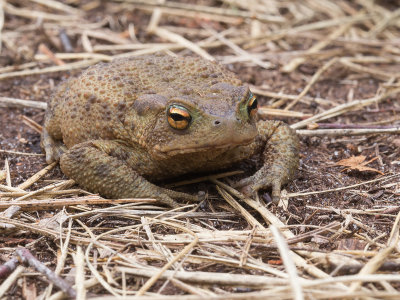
<point x="254" y="104"/>
<point x="177" y="117"/>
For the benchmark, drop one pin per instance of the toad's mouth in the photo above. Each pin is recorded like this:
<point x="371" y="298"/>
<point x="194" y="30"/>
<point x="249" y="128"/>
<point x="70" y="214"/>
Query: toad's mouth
<point x="171" y="150"/>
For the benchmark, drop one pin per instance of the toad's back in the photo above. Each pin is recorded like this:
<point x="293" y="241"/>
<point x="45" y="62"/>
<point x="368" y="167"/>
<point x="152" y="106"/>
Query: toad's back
<point x="98" y="104"/>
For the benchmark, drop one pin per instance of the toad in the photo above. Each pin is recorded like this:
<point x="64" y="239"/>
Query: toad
<point x="121" y="126"/>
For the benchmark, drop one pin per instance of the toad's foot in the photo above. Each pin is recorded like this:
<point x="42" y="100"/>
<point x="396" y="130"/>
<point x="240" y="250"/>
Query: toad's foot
<point x="53" y="149"/>
<point x="102" y="167"/>
<point x="281" y="159"/>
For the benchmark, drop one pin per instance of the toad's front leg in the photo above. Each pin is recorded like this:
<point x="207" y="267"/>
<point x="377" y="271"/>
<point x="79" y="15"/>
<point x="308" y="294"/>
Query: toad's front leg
<point x="280" y="148"/>
<point x="107" y="168"/>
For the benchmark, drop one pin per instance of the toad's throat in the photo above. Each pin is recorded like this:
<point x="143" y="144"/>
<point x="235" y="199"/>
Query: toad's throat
<point x="171" y="150"/>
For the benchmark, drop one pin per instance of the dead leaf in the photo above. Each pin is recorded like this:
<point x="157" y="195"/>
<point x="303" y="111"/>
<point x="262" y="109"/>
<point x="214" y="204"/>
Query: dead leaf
<point x="357" y="163"/>
<point x="351" y="244"/>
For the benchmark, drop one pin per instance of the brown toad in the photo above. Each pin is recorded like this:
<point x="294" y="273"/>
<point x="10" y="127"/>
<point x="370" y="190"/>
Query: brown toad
<point x="121" y="125"/>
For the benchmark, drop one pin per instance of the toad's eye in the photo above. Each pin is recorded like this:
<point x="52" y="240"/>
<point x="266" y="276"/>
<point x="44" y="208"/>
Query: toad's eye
<point x="252" y="105"/>
<point x="178" y="117"/>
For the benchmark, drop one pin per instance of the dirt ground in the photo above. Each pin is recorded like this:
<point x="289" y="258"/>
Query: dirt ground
<point x="302" y="59"/>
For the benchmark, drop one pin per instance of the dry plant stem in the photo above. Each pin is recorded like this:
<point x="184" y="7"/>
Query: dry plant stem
<point x="190" y="289"/>
<point x="9" y="213"/>
<point x="212" y="11"/>
<point x="46" y="51"/>
<point x="382" y="25"/>
<point x="306" y="99"/>
<point x="382" y="75"/>
<point x="10" y="280"/>
<point x="314" y="79"/>
<point x="12" y="102"/>
<point x="8" y="267"/>
<point x="64" y="183"/>
<point x="161" y="249"/>
<point x="36" y="176"/>
<point x="8" y="175"/>
<point x="59" y="6"/>
<point x="176" y="38"/>
<point x="210" y="278"/>
<point x="28" y="259"/>
<point x="61" y="258"/>
<point x="66" y="67"/>
<point x="346" y="107"/>
<point x="348" y="132"/>
<point x="51" y="233"/>
<point x="79" y="260"/>
<point x="87" y="283"/>
<point x="245" y="253"/>
<point x="10" y="189"/>
<point x="280" y="34"/>
<point x="272" y="219"/>
<point x="294" y="63"/>
<point x="249" y="218"/>
<point x="20" y="153"/>
<point x="32" y="124"/>
<point x="34" y="14"/>
<point x="288" y="262"/>
<point x="48" y="194"/>
<point x="375" y="263"/>
<point x="57" y="203"/>
<point x="149" y="283"/>
<point x="1" y="22"/>
<point x="239" y="51"/>
<point x="84" y="55"/>
<point x="64" y="248"/>
<point x="268" y="112"/>
<point x="291" y="195"/>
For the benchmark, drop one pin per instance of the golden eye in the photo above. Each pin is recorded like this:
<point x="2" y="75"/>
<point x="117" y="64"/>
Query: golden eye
<point x="252" y="105"/>
<point x="178" y="117"/>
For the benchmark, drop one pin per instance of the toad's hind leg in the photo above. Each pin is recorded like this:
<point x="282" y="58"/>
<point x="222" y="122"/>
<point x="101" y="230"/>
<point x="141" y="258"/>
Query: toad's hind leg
<point x="53" y="148"/>
<point x="280" y="147"/>
<point x="101" y="167"/>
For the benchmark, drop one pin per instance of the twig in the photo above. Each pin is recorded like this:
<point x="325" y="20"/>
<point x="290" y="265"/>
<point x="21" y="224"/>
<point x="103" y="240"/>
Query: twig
<point x="46" y="51"/>
<point x="290" y="195"/>
<point x="34" y="14"/>
<point x="10" y="280"/>
<point x="149" y="283"/>
<point x="27" y="258"/>
<point x="34" y="178"/>
<point x="176" y="38"/>
<point x="66" y="67"/>
<point x="347" y="132"/>
<point x="20" y="153"/>
<point x="288" y="262"/>
<point x="375" y="263"/>
<point x="79" y="261"/>
<point x="187" y="8"/>
<point x="8" y="267"/>
<point x="12" y="102"/>
<point x="56" y="203"/>
<point x="265" y="111"/>
<point x="314" y="79"/>
<point x="59" y="6"/>
<point x="210" y="277"/>
<point x="1" y="21"/>
<point x="335" y="111"/>
<point x="294" y="63"/>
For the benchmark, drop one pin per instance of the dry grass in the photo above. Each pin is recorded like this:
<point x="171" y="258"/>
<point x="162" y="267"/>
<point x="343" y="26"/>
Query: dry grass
<point x="239" y="249"/>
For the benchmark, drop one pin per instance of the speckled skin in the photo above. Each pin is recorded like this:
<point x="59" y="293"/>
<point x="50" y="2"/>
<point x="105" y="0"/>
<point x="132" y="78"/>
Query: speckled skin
<point x="110" y="131"/>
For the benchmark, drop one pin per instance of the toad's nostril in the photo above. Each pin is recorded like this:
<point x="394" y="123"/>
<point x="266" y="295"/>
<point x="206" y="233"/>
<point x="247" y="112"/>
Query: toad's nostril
<point x="217" y="122"/>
